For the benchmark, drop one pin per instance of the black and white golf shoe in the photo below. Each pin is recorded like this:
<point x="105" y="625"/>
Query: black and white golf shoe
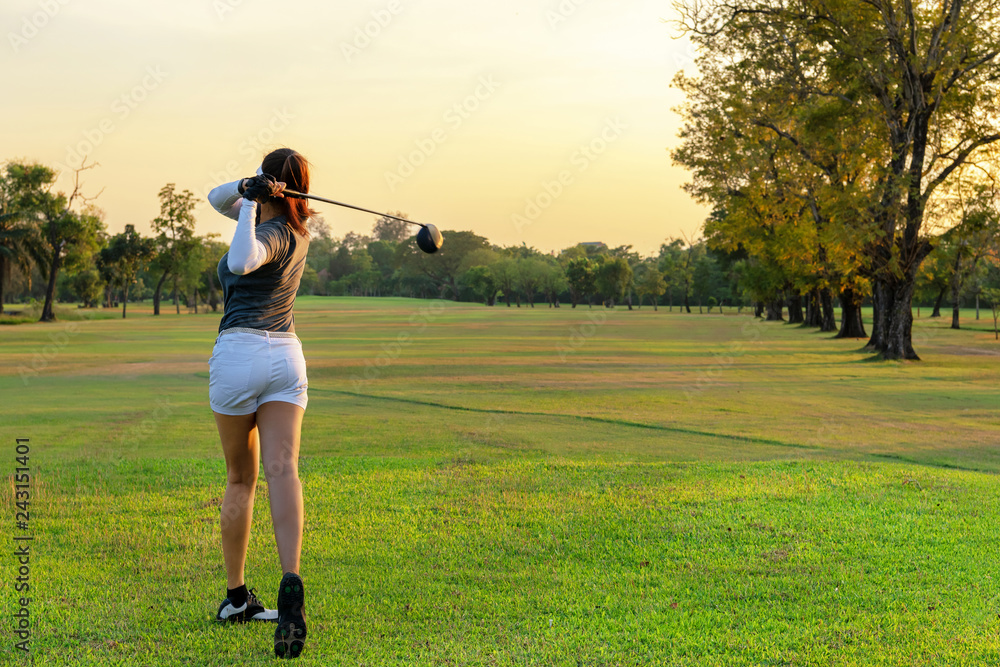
<point x="290" y="635"/>
<point x="252" y="610"/>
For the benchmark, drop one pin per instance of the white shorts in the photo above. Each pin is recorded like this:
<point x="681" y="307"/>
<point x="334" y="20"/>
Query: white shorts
<point x="248" y="369"/>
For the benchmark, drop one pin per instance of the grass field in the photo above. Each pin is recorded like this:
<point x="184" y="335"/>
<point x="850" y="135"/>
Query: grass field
<point x="521" y="487"/>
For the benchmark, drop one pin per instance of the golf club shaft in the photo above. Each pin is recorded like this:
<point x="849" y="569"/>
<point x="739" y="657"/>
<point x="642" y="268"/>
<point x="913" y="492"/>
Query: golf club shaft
<point x="302" y="195"/>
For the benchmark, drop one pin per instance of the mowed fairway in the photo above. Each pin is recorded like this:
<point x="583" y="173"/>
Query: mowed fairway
<point x="494" y="486"/>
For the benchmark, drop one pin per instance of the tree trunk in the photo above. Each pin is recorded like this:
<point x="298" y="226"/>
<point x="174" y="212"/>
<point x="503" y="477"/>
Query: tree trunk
<point x="900" y="334"/>
<point x="851" y="324"/>
<point x="213" y="296"/>
<point x="50" y="291"/>
<point x="630" y="300"/>
<point x="758" y="308"/>
<point x="795" y="309"/>
<point x="954" y="315"/>
<point x="814" y="314"/>
<point x="775" y="308"/>
<point x="157" y="293"/>
<point x="3" y="277"/>
<point x="937" y="303"/>
<point x="829" y="316"/>
<point x="124" y="299"/>
<point x="177" y="297"/>
<point x="687" y="303"/>
<point x="881" y="302"/>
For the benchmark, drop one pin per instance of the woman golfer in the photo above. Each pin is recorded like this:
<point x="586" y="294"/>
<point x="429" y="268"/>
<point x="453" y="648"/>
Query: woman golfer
<point x="257" y="382"/>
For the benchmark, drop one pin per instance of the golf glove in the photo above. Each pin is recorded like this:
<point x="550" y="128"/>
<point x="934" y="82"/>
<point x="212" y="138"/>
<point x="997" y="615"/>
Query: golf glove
<point x="262" y="188"/>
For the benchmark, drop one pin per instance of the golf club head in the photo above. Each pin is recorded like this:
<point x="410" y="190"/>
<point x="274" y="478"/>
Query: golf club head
<point x="429" y="239"/>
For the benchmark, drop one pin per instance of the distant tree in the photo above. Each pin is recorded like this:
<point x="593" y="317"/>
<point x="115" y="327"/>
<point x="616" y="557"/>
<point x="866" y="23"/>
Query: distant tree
<point x="970" y="241"/>
<point x="581" y="275"/>
<point x="68" y="237"/>
<point x="553" y="282"/>
<point x="530" y="273"/>
<point x="213" y="250"/>
<point x="175" y="237"/>
<point x="992" y="295"/>
<point x="393" y="231"/>
<point x="88" y="286"/>
<point x="383" y="254"/>
<point x="22" y="190"/>
<point x="650" y="283"/>
<point x="318" y="228"/>
<point x="505" y="274"/>
<point x="124" y="256"/>
<point x="354" y="241"/>
<point x="707" y="278"/>
<point x="307" y="284"/>
<point x="481" y="281"/>
<point x="614" y="276"/>
<point x="444" y="267"/>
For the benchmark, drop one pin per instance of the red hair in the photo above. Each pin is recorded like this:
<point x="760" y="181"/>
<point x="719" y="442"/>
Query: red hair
<point x="290" y="168"/>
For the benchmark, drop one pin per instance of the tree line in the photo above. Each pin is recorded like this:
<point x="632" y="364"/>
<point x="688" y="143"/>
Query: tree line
<point x="174" y="264"/>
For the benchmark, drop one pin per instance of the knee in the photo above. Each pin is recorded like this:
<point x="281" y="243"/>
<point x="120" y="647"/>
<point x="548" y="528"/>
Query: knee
<point x="281" y="469"/>
<point x="246" y="477"/>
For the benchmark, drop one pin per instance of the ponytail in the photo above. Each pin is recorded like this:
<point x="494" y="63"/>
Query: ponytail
<point x="292" y="169"/>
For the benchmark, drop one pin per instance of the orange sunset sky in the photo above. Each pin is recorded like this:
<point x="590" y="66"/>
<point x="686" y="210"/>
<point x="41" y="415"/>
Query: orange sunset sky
<point x="546" y="123"/>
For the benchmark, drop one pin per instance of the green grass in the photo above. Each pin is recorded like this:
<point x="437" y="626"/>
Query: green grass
<point x="29" y="313"/>
<point x="522" y="487"/>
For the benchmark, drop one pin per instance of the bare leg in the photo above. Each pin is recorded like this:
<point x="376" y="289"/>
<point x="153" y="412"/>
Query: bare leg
<point x="280" y="427"/>
<point x="240" y="444"/>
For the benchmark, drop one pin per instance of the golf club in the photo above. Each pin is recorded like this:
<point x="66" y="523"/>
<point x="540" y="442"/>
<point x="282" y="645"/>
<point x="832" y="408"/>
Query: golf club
<point x="428" y="238"/>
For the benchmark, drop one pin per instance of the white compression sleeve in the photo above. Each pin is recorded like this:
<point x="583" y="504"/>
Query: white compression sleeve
<point x="225" y="199"/>
<point x="246" y="252"/>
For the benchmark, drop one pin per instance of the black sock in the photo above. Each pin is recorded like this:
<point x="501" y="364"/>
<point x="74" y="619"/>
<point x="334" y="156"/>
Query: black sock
<point x="237" y="596"/>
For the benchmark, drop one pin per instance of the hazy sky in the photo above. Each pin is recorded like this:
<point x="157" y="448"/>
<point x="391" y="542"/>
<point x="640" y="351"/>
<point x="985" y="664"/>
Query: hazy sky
<point x="544" y="122"/>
